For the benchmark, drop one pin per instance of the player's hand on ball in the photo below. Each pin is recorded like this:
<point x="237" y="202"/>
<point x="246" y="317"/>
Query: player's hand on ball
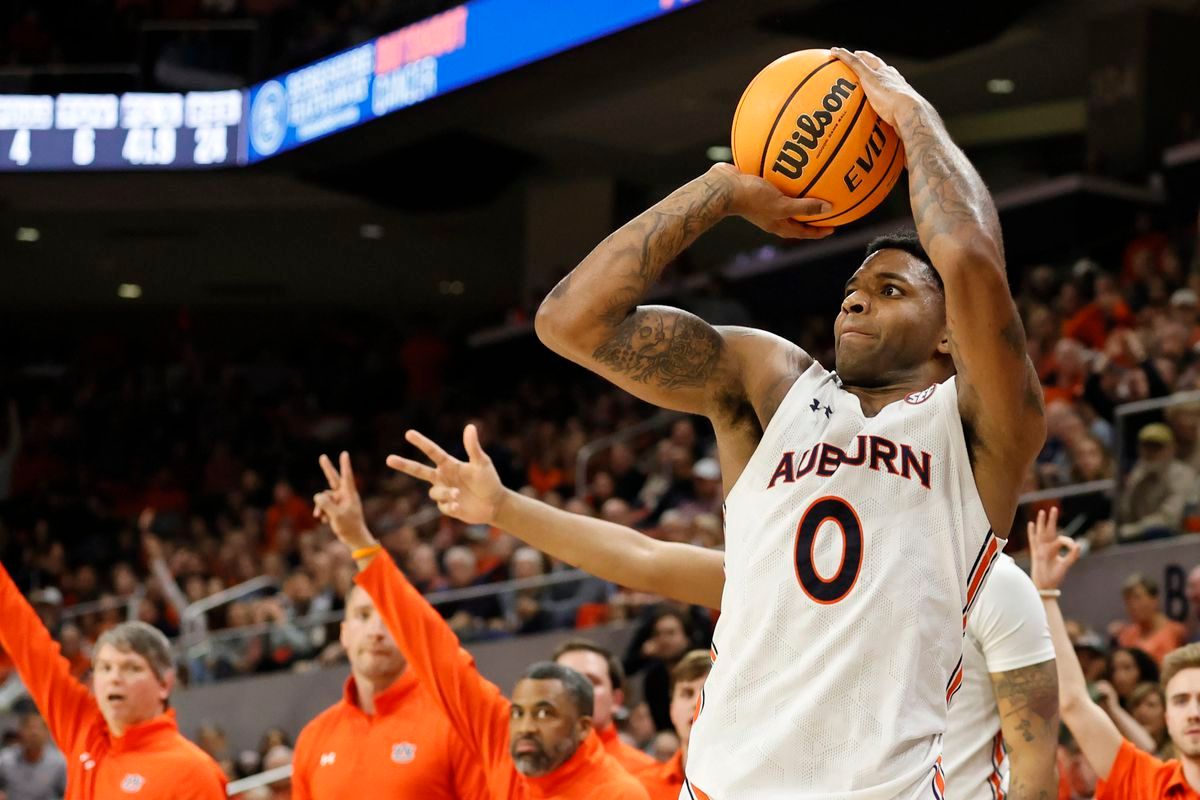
<point x="341" y="506"/>
<point x="886" y="89"/>
<point x="1050" y="555"/>
<point x="469" y="491"/>
<point x="762" y="204"/>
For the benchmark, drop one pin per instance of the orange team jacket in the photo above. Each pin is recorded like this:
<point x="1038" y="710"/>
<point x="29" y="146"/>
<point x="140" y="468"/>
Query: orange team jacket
<point x="407" y="749"/>
<point x="664" y="779"/>
<point x="1140" y="776"/>
<point x="152" y="761"/>
<point x="475" y="706"/>
<point x="632" y="759"/>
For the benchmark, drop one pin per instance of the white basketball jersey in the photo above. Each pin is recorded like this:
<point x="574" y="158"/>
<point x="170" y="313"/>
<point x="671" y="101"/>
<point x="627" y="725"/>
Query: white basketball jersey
<point x="1007" y="630"/>
<point x="854" y="548"/>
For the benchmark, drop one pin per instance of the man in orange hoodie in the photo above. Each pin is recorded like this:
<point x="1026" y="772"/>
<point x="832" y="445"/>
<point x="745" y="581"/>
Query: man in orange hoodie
<point x="385" y="732"/>
<point x="538" y="745"/>
<point x="604" y="671"/>
<point x="122" y="739"/>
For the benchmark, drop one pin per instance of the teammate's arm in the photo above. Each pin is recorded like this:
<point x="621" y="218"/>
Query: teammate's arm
<point x="1028" y="702"/>
<point x="1051" y="556"/>
<point x="999" y="393"/>
<point x="476" y="708"/>
<point x="663" y="355"/>
<point x="471" y="491"/>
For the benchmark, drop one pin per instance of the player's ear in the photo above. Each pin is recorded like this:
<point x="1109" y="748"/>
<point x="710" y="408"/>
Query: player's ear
<point x="943" y="347"/>
<point x="168" y="685"/>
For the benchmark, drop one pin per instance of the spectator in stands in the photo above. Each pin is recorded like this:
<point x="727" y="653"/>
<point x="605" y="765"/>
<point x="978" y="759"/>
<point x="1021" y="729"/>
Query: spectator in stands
<point x="656" y="648"/>
<point x="472" y="617"/>
<point x="383" y="719"/>
<point x="1184" y="421"/>
<point x="212" y="740"/>
<point x="1077" y="779"/>
<point x="627" y="478"/>
<point x="665" y="780"/>
<point x="542" y="740"/>
<point x="604" y="671"/>
<point x="1092" y="654"/>
<point x="523" y="610"/>
<point x="1148" y="706"/>
<point x="33" y="769"/>
<point x="1149" y="629"/>
<point x="1158" y="491"/>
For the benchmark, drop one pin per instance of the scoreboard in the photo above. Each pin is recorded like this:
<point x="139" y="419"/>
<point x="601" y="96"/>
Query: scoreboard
<point x="161" y="130"/>
<point x="137" y="130"/>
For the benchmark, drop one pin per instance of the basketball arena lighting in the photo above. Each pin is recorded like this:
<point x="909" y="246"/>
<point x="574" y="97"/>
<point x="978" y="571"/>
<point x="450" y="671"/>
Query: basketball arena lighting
<point x="719" y="152"/>
<point x="28" y="234"/>
<point x="1001" y="86"/>
<point x="129" y="291"/>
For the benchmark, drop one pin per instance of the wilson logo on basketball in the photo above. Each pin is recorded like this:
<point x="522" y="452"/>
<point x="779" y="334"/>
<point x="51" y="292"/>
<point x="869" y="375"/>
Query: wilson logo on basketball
<point x="810" y="129"/>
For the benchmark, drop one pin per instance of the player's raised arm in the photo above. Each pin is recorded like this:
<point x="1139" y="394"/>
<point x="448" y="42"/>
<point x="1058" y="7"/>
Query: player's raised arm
<point x="999" y="394"/>
<point x="1051" y="556"/>
<point x="471" y="491"/>
<point x="663" y="355"/>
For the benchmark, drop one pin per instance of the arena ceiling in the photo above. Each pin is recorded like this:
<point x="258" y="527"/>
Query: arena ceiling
<point x="382" y="215"/>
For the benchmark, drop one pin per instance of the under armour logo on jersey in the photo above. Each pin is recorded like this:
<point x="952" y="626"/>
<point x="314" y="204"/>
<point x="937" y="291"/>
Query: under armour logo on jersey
<point x="404" y="752"/>
<point x="132" y="783"/>
<point x="328" y="759"/>
<point x="816" y="406"/>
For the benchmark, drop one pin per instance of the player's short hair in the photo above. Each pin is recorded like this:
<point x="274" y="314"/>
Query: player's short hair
<point x="579" y="688"/>
<point x="694" y="665"/>
<point x="909" y="243"/>
<point x="1186" y="657"/>
<point x="1138" y="579"/>
<point x="616" y="671"/>
<point x="142" y="639"/>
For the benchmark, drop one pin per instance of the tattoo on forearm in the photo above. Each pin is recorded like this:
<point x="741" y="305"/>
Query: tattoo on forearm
<point x="1030" y="695"/>
<point x="669" y="349"/>
<point x="648" y="243"/>
<point x="948" y="196"/>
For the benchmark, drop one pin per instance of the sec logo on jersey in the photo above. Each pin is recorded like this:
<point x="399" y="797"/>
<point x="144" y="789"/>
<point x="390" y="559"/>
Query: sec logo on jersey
<point x="916" y="398"/>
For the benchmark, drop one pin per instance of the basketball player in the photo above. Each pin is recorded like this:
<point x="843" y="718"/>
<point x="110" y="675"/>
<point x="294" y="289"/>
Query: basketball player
<point x="1125" y="772"/>
<point x="386" y="732"/>
<point x="121" y="738"/>
<point x="862" y="504"/>
<point x="540" y="744"/>
<point x="1008" y="703"/>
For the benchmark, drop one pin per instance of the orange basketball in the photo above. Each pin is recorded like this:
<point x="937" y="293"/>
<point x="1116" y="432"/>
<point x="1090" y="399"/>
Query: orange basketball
<point x="805" y="125"/>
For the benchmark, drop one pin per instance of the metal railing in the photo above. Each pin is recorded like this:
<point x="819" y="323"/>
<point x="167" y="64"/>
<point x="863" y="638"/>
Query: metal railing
<point x="260" y="780"/>
<point x="660" y="420"/>
<point x="130" y="604"/>
<point x="1127" y="410"/>
<point x="192" y="627"/>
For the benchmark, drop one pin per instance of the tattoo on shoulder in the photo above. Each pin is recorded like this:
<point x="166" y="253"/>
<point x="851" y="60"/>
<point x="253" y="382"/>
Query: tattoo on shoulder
<point x="1030" y="695"/>
<point x="672" y="350"/>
